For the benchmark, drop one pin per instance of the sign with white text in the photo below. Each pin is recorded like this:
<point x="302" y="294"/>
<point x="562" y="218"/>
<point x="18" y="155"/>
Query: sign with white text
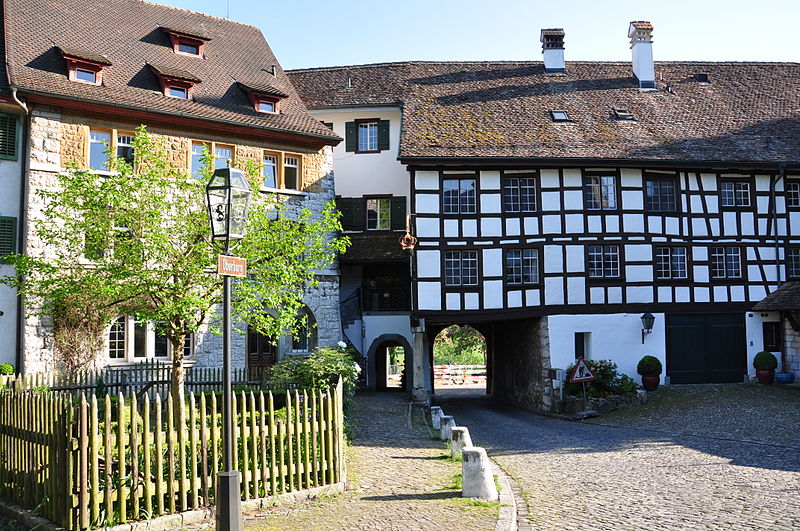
<point x="232" y="266"/>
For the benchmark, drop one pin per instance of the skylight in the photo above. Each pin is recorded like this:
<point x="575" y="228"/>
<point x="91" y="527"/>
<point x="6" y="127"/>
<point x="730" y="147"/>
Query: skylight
<point x="622" y="113"/>
<point x="560" y="116"/>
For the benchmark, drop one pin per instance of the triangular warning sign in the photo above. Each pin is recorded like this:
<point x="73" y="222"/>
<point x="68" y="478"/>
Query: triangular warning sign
<point x="582" y="372"/>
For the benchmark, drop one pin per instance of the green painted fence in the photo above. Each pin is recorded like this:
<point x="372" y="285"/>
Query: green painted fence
<point x="84" y="462"/>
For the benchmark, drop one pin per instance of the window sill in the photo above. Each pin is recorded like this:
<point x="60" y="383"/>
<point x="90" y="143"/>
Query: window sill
<point x="282" y="191"/>
<point x="368" y="152"/>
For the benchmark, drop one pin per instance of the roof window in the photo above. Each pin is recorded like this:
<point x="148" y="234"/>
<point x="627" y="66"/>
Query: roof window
<point x="187" y="42"/>
<point x="702" y="78"/>
<point x="559" y="116"/>
<point x="175" y="83"/>
<point x="264" y="97"/>
<point x="621" y="113"/>
<point x="85" y="67"/>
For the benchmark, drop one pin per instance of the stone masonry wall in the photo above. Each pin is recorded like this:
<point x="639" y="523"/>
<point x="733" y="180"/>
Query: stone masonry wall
<point x="58" y="140"/>
<point x="792" y="339"/>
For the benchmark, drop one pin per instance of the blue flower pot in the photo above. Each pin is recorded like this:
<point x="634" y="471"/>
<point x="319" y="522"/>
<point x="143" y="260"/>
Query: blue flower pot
<point x="784" y="377"/>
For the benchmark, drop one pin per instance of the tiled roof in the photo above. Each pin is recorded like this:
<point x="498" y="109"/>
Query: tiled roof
<point x="371" y="248"/>
<point x="176" y="73"/>
<point x="263" y="88"/>
<point x="748" y="112"/>
<point x="191" y="32"/>
<point x="786" y="298"/>
<point x="130" y="33"/>
<point x="88" y="56"/>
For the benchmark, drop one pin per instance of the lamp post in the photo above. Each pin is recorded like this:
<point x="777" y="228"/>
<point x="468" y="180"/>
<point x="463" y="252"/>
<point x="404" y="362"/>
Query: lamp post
<point x="228" y="196"/>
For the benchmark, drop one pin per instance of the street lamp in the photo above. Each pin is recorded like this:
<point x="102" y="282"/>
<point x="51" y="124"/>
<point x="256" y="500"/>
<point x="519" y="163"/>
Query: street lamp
<point x="228" y="196"/>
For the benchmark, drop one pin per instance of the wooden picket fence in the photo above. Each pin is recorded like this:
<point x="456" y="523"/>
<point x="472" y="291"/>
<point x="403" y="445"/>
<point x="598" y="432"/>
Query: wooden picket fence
<point x="150" y="377"/>
<point x="86" y="462"/>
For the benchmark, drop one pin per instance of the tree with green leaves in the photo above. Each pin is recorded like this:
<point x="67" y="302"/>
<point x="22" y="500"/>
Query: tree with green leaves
<point x="459" y="345"/>
<point x="136" y="241"/>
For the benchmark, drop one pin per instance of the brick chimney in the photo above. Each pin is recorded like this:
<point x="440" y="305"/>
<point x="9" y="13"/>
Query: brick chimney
<point x="641" y="35"/>
<point x="553" y="49"/>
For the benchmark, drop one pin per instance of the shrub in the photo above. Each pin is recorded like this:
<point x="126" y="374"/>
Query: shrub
<point x="6" y="368"/>
<point x="319" y="371"/>
<point x="649" y="366"/>
<point x="765" y="361"/>
<point x="609" y="381"/>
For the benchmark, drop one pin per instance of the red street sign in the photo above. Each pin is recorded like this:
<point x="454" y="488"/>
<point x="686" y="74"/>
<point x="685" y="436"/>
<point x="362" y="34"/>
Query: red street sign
<point x="582" y="372"/>
<point x="232" y="266"/>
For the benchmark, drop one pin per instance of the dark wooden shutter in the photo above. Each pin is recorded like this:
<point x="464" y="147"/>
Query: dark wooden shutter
<point x="359" y="216"/>
<point x="383" y="135"/>
<point x="8" y="137"/>
<point x="398" y="213"/>
<point x="352" y="209"/>
<point x="350" y="136"/>
<point x="8" y="236"/>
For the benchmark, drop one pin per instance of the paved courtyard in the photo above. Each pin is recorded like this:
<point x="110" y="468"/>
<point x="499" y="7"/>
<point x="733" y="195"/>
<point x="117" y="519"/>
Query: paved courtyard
<point x="694" y="457"/>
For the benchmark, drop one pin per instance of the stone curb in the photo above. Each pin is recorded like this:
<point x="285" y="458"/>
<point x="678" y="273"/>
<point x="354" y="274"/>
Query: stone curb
<point x="507" y="519"/>
<point x="172" y="521"/>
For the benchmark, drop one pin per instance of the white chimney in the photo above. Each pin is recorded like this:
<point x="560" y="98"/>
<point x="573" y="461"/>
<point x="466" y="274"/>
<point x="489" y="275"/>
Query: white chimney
<point x="553" y="49"/>
<point x="641" y="35"/>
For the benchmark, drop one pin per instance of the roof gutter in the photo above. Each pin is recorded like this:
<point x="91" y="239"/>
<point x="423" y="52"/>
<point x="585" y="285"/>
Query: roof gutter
<point x="509" y="162"/>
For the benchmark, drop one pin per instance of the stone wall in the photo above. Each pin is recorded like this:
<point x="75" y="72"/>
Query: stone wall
<point x="58" y="140"/>
<point x="792" y="339"/>
<point x="520" y="361"/>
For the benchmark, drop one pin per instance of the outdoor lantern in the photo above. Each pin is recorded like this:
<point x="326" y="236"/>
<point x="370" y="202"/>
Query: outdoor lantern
<point x="228" y="195"/>
<point x="647" y="324"/>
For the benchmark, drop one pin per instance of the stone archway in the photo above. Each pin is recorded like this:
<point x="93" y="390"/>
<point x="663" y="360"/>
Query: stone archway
<point x="378" y="350"/>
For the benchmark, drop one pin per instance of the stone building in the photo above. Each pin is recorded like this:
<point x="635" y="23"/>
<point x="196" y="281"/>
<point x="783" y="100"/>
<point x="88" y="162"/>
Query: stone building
<point x="83" y="75"/>
<point x="608" y="210"/>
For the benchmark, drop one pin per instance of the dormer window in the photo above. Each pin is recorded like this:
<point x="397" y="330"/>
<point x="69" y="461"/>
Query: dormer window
<point x="622" y="114"/>
<point x="85" y="67"/>
<point x="187" y="42"/>
<point x="175" y="83"/>
<point x="559" y="116"/>
<point x="264" y="98"/>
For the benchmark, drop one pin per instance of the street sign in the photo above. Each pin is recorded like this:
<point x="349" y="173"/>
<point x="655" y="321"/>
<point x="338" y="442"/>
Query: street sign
<point x="232" y="266"/>
<point x="582" y="372"/>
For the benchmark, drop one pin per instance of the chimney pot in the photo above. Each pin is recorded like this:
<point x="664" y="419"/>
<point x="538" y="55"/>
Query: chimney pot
<point x="640" y="33"/>
<point x="553" y="49"/>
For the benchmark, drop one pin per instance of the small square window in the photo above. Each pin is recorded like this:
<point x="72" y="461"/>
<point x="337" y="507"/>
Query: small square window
<point x="266" y="106"/>
<point x="623" y="114"/>
<point x="560" y="116"/>
<point x="87" y="76"/>
<point x="178" y="92"/>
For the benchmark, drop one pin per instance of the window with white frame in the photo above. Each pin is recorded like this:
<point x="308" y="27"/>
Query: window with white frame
<point x="793" y="262"/>
<point x="99" y="142"/>
<point x="461" y="268"/>
<point x="735" y="193"/>
<point x="458" y="196"/>
<point x="270" y="171"/>
<point x="223" y="156"/>
<point x="306" y="339"/>
<point x="379" y="214"/>
<point x="368" y="136"/>
<point x="163" y="348"/>
<point x="130" y="340"/>
<point x="198" y="152"/>
<point x="116" y="338"/>
<point x="671" y="263"/>
<point x="726" y="262"/>
<point x="519" y="194"/>
<point x="87" y="76"/>
<point x="175" y="91"/>
<point x="291" y="173"/>
<point x="661" y="194"/>
<point x="600" y="192"/>
<point x="522" y="266"/>
<point x="603" y="261"/>
<point x="125" y="147"/>
<point x="793" y="193"/>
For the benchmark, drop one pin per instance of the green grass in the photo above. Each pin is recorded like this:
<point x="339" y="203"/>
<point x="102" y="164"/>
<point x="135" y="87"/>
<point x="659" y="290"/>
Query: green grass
<point x="455" y="483"/>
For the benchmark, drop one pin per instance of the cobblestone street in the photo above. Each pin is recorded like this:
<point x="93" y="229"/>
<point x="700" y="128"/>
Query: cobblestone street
<point x="694" y="457"/>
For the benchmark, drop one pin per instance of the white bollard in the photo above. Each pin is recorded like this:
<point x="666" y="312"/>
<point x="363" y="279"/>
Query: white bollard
<point x="436" y="417"/>
<point x="459" y="438"/>
<point x="448" y="423"/>
<point x="476" y="475"/>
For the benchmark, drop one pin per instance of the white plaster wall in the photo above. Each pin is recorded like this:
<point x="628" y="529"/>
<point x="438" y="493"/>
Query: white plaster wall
<point x="367" y="173"/>
<point x="754" y="333"/>
<point x="378" y="325"/>
<point x="616" y="337"/>
<point x="10" y="186"/>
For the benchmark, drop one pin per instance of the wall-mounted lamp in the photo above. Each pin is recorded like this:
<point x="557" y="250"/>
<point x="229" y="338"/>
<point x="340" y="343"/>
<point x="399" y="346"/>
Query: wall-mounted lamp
<point x="647" y="324"/>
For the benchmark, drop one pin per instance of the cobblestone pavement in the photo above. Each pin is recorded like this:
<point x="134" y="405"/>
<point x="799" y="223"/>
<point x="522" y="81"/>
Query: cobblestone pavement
<point x="397" y="480"/>
<point x="693" y="457"/>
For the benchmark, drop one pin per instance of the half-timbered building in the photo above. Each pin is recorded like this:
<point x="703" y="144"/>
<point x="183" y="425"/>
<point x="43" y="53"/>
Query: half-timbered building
<point x="558" y="203"/>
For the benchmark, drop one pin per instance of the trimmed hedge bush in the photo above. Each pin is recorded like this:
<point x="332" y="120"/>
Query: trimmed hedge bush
<point x="649" y="366"/>
<point x="765" y="361"/>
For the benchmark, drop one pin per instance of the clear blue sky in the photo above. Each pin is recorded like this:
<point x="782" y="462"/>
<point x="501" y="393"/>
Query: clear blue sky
<point x="308" y="33"/>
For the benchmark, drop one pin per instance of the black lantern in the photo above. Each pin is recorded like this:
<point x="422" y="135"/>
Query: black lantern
<point x="647" y="324"/>
<point x="228" y="195"/>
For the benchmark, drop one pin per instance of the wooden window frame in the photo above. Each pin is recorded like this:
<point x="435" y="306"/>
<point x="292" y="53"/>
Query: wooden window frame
<point x="74" y="64"/>
<point x="778" y="331"/>
<point x="362" y="122"/>
<point x="687" y="264"/>
<point x="536" y="192"/>
<point x="647" y="177"/>
<point x="788" y="260"/>
<point x="736" y="206"/>
<point x="258" y="100"/>
<point x="586" y="186"/>
<point x="795" y="182"/>
<point x="129" y="338"/>
<point x="177" y="39"/>
<point x="461" y="259"/>
<point x="620" y="276"/>
<point x="727" y="279"/>
<point x="113" y="145"/>
<point x="367" y="199"/>
<point x="475" y="179"/>
<point x="522" y="282"/>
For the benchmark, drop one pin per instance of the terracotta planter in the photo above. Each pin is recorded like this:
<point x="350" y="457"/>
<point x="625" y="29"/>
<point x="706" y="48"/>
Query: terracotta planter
<point x="650" y="383"/>
<point x="765" y="376"/>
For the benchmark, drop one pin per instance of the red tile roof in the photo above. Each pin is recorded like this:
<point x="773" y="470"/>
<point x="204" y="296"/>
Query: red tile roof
<point x="130" y="34"/>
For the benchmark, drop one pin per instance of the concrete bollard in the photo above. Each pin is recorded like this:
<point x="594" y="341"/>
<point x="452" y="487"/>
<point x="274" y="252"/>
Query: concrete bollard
<point x="436" y="417"/>
<point x="459" y="438"/>
<point x="476" y="475"/>
<point x="448" y="423"/>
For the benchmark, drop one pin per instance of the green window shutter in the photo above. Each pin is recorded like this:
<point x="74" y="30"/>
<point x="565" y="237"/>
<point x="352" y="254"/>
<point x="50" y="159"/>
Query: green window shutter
<point x="8" y="237"/>
<point x="359" y="215"/>
<point x="383" y="135"/>
<point x="398" y="213"/>
<point x="350" y="136"/>
<point x="8" y="137"/>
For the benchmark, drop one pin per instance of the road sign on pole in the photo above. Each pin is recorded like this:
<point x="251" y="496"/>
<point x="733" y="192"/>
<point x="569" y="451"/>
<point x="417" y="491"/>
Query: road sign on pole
<point x="582" y="372"/>
<point x="232" y="266"/>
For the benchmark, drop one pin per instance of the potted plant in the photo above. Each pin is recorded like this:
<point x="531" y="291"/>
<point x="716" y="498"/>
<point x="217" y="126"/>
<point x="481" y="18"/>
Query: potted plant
<point x="649" y="368"/>
<point x="765" y="364"/>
